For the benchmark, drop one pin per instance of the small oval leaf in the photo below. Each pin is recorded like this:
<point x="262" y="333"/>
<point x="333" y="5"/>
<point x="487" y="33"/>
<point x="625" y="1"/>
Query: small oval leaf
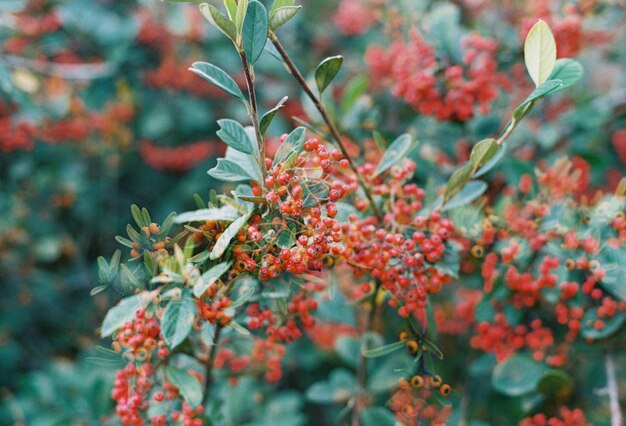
<point x="255" y="29"/>
<point x="217" y="77"/>
<point x="540" y="52"/>
<point x="326" y="71"/>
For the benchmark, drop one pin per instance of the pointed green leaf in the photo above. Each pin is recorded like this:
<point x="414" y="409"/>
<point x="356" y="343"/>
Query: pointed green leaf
<point x="458" y="180"/>
<point x="177" y="320"/>
<point x="255" y="29"/>
<point x="471" y="191"/>
<point x="218" y="20"/>
<point x="234" y="135"/>
<point x="540" y="52"/>
<point x="229" y="172"/>
<point x="395" y="152"/>
<point x="283" y="15"/>
<point x="188" y="386"/>
<point x="326" y="71"/>
<point x="267" y="118"/>
<point x="217" y="77"/>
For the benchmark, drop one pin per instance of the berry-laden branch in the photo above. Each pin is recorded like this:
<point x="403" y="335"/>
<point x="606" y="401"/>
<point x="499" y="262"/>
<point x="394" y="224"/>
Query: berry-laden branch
<point x="331" y="126"/>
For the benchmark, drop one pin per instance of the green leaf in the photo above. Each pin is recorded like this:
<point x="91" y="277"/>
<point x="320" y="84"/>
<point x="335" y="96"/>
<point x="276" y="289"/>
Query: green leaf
<point x="234" y="135"/>
<point x="458" y="180"/>
<point x="326" y="71"/>
<point x="540" y="52"/>
<point x="239" y="328"/>
<point x="517" y="376"/>
<point x="281" y="3"/>
<point x="231" y="232"/>
<point x="377" y="416"/>
<point x="231" y="7"/>
<point x="210" y="277"/>
<point x="124" y="311"/>
<point x="313" y="192"/>
<point x="227" y="214"/>
<point x="469" y="193"/>
<point x="382" y="350"/>
<point x="482" y="152"/>
<point x="245" y="296"/>
<point x="188" y="386"/>
<point x="242" y="7"/>
<point x="550" y="86"/>
<point x="395" y="152"/>
<point x="267" y="118"/>
<point x="245" y="161"/>
<point x="611" y="325"/>
<point x="283" y="15"/>
<point x="138" y="216"/>
<point x="556" y="384"/>
<point x="293" y="144"/>
<point x="229" y="171"/>
<point x="217" y="77"/>
<point x="255" y="29"/>
<point x="218" y="20"/>
<point x="177" y="320"/>
<point x="568" y="71"/>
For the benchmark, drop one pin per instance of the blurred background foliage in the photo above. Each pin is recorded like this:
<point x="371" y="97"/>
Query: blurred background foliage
<point x="98" y="111"/>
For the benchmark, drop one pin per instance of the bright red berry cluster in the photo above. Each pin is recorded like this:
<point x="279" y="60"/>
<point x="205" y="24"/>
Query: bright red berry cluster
<point x="433" y="86"/>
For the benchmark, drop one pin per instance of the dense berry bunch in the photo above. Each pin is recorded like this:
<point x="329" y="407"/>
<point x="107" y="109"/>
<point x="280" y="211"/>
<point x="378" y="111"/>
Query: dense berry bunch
<point x="438" y="88"/>
<point x="574" y="417"/>
<point x="177" y="158"/>
<point x="553" y="268"/>
<point x="403" y="255"/>
<point x="412" y="401"/>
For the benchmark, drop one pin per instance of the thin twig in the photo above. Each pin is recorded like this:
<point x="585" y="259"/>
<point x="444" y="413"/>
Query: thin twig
<point x="362" y="367"/>
<point x="208" y="380"/>
<point x="253" y="111"/>
<point x="331" y="126"/>
<point x="617" y="418"/>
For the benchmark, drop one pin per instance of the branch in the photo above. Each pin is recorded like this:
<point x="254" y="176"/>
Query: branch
<point x="611" y="385"/>
<point x="253" y="112"/>
<point x="208" y="380"/>
<point x="331" y="126"/>
<point x="69" y="71"/>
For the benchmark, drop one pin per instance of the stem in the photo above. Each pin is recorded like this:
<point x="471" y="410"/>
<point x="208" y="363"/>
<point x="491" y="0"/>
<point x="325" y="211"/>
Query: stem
<point x="362" y="367"/>
<point x="209" y="366"/>
<point x="253" y="111"/>
<point x="611" y="384"/>
<point x="331" y="126"/>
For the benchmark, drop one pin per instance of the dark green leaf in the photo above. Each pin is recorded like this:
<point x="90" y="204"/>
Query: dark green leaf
<point x="267" y="118"/>
<point x="234" y="135"/>
<point x="229" y="171"/>
<point x="124" y="311"/>
<point x="326" y="71"/>
<point x="395" y="152"/>
<point x="188" y="386"/>
<point x="556" y="384"/>
<point x="217" y="77"/>
<point x="517" y="376"/>
<point x="568" y="71"/>
<point x="458" y="180"/>
<point x="255" y="29"/>
<point x="177" y="320"/>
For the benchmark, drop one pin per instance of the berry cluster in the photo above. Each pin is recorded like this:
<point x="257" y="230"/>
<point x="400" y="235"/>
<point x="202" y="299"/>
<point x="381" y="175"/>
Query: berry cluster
<point x="412" y="400"/>
<point x="574" y="417"/>
<point x="435" y="87"/>
<point x="178" y="158"/>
